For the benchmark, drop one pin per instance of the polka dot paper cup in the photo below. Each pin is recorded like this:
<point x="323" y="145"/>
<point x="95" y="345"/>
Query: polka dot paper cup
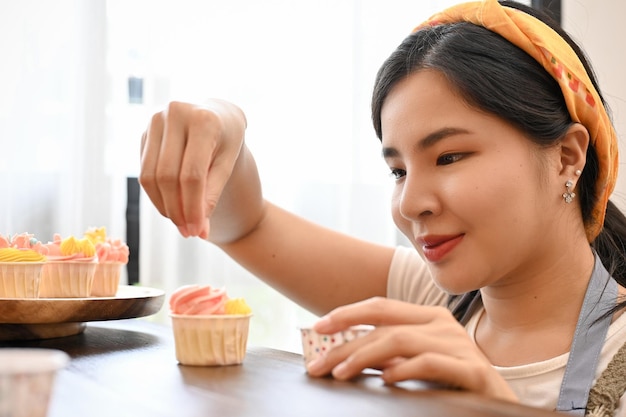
<point x="315" y="345"/>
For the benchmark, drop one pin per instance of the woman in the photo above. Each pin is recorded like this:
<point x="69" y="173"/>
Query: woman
<point x="504" y="157"/>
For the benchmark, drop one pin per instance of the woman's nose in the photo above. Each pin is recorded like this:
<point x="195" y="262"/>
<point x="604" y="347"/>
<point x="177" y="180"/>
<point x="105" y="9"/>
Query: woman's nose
<point x="418" y="198"/>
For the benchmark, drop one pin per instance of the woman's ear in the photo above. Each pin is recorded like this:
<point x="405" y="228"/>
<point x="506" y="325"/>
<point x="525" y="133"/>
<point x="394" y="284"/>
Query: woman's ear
<point x="574" y="149"/>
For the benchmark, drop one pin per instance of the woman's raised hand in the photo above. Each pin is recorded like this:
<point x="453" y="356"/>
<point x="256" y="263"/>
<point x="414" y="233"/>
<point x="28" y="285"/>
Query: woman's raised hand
<point x="409" y="342"/>
<point x="188" y="157"/>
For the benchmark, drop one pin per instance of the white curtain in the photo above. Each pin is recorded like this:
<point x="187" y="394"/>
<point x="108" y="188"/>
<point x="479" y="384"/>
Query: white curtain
<point x="53" y="123"/>
<point x="52" y="120"/>
<point x="302" y="70"/>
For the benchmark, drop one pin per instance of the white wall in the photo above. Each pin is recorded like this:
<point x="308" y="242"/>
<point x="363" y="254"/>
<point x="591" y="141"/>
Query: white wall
<point x="598" y="25"/>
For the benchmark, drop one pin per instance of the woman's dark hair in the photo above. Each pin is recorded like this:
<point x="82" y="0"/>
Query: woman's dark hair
<point x="495" y="76"/>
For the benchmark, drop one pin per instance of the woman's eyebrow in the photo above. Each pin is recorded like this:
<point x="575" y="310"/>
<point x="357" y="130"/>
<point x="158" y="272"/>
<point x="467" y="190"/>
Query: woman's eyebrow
<point x="428" y="141"/>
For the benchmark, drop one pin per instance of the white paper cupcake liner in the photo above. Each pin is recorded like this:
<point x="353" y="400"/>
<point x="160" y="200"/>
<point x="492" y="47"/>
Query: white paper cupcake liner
<point x="67" y="279"/>
<point x="20" y="279"/>
<point x="210" y="340"/>
<point x="106" y="279"/>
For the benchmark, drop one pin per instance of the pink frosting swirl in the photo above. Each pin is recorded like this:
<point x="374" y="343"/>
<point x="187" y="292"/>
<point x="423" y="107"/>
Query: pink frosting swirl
<point x="24" y="241"/>
<point x="108" y="250"/>
<point x="77" y="251"/>
<point x="112" y="251"/>
<point x="198" y="300"/>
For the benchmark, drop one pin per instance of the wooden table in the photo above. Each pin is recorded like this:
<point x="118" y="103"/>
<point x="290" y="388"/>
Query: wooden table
<point x="128" y="368"/>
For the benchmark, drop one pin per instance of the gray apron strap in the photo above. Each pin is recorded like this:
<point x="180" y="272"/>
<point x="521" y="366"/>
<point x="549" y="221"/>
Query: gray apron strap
<point x="589" y="337"/>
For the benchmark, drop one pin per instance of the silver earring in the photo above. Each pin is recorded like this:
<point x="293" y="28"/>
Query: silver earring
<point x="569" y="195"/>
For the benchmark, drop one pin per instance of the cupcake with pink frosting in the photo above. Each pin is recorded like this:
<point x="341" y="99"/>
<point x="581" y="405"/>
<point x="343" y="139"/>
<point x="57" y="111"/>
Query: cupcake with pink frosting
<point x="70" y="268"/>
<point x="22" y="258"/>
<point x="209" y="327"/>
<point x="112" y="256"/>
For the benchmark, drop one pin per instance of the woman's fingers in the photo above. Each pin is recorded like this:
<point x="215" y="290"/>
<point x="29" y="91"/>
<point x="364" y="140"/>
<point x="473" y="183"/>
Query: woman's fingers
<point x="387" y="346"/>
<point x="397" y="323"/>
<point x="436" y="367"/>
<point x="150" y="149"/>
<point x="187" y="156"/>
<point x="379" y="311"/>
<point x="197" y="170"/>
<point x="469" y="373"/>
<point x="410" y="342"/>
<point x="170" y="162"/>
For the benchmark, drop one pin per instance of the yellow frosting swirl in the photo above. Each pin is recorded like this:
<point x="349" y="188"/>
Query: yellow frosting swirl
<point x="237" y="306"/>
<point x="96" y="234"/>
<point x="20" y="255"/>
<point x="72" y="246"/>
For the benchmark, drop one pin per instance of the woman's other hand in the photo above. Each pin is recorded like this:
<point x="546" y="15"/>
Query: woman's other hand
<point x="410" y="342"/>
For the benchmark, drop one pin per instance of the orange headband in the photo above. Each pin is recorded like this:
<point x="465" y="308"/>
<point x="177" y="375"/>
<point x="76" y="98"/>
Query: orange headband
<point x="549" y="49"/>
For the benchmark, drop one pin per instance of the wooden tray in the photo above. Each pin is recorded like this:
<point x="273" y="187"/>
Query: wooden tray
<point x="43" y="318"/>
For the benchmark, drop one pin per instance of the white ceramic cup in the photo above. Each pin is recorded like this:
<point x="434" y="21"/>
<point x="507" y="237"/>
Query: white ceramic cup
<point x="26" y="380"/>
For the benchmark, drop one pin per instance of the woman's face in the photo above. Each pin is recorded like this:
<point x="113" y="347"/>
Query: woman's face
<point x="471" y="192"/>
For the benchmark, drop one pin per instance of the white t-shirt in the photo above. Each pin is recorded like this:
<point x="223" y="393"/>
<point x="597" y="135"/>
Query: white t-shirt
<point x="536" y="384"/>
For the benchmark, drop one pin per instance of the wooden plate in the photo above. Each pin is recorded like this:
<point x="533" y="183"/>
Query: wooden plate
<point x="42" y="318"/>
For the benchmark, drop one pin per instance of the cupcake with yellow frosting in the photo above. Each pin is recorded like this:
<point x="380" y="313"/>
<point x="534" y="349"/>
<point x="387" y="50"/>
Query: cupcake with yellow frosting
<point x="70" y="268"/>
<point x="112" y="256"/>
<point x="210" y="328"/>
<point x="21" y="262"/>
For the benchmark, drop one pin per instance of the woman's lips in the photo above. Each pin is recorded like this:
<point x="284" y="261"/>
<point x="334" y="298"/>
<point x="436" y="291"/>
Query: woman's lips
<point x="436" y="248"/>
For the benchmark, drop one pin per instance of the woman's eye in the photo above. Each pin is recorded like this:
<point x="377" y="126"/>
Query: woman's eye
<point x="449" y="158"/>
<point x="397" y="173"/>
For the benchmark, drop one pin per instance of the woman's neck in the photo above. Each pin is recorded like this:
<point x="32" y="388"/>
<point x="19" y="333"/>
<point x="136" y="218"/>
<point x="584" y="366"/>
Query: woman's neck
<point x="533" y="317"/>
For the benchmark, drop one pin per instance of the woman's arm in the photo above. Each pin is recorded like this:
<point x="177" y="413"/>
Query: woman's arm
<point x="316" y="267"/>
<point x="198" y="172"/>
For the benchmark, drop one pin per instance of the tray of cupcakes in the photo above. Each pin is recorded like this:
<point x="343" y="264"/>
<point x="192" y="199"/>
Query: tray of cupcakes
<point x="52" y="289"/>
